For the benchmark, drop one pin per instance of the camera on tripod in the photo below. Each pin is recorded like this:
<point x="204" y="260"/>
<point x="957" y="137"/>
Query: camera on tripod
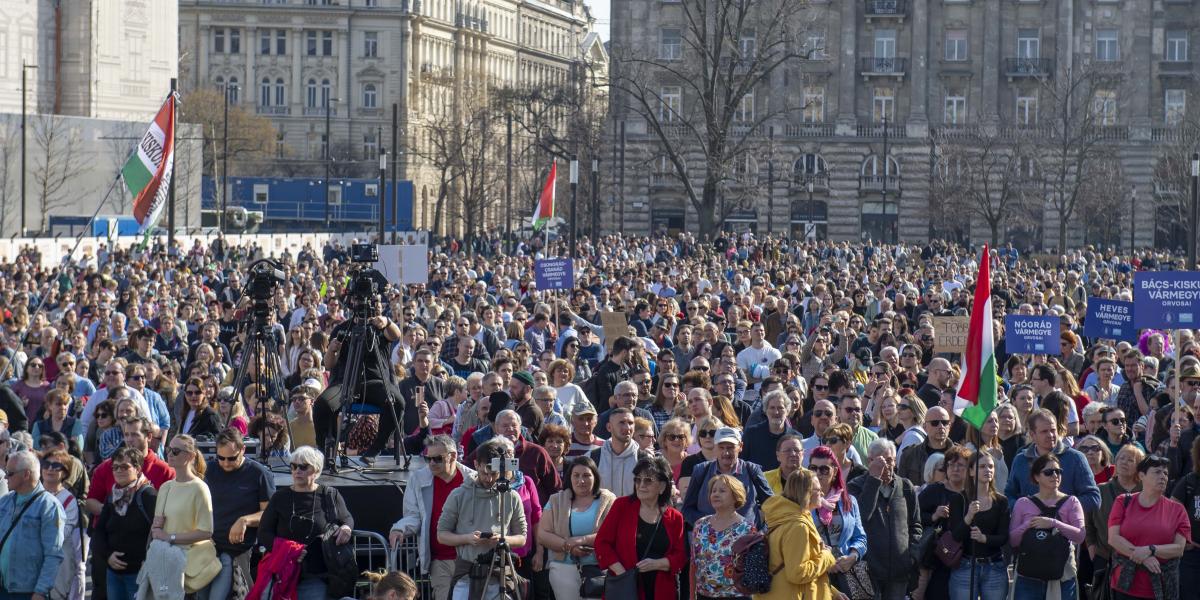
<point x="263" y="276"/>
<point x="364" y="253"/>
<point x="502" y="466"/>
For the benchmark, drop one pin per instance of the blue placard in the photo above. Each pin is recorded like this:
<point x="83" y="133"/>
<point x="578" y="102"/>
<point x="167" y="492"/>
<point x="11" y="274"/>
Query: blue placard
<point x="554" y="274"/>
<point x="1166" y="299"/>
<point x="1109" y="320"/>
<point x="1031" y="335"/>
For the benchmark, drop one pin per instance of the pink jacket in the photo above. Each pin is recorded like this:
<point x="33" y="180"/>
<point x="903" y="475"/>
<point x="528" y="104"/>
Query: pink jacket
<point x="280" y="566"/>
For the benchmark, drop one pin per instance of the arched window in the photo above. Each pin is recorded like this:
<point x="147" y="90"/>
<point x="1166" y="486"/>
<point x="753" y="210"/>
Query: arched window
<point x="326" y="88"/>
<point x="311" y="94"/>
<point x="808" y="166"/>
<point x="232" y="90"/>
<point x="219" y="82"/>
<point x="872" y="167"/>
<point x="369" y="94"/>
<point x="280" y="93"/>
<point x="264" y="92"/>
<point x="745" y="169"/>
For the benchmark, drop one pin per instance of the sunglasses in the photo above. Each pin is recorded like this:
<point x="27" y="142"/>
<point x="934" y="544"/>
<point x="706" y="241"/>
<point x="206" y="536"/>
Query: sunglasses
<point x="904" y="407"/>
<point x="707" y="433"/>
<point x="1116" y="421"/>
<point x="1089" y="449"/>
<point x="822" y="413"/>
<point x="832" y="440"/>
<point x="939" y="422"/>
<point x="54" y="466"/>
<point x="192" y="392"/>
<point x="173" y="451"/>
<point x="676" y="437"/>
<point x="103" y="415"/>
<point x="820" y="388"/>
<point x="122" y="467"/>
<point x="639" y="481"/>
<point x="436" y="460"/>
<point x="821" y="469"/>
<point x="301" y="468"/>
<point x="1052" y="472"/>
<point x="229" y="459"/>
<point x="700" y="368"/>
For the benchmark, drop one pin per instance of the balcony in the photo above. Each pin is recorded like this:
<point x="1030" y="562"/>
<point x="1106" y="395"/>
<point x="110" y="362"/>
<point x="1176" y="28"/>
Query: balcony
<point x="820" y="181"/>
<point x="1028" y="67"/>
<point x="318" y="111"/>
<point x="886" y="9"/>
<point x="808" y="130"/>
<point x="880" y="66"/>
<point x="875" y="183"/>
<point x="876" y="130"/>
<point x="1175" y="68"/>
<point x="273" y="110"/>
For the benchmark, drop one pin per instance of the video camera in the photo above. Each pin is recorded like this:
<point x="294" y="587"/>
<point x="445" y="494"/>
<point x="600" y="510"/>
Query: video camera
<point x="263" y="275"/>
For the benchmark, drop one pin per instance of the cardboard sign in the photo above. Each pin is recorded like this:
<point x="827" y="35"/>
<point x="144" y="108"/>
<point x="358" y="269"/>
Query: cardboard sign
<point x="554" y="274"/>
<point x="1031" y="334"/>
<point x="1166" y="299"/>
<point x="950" y="334"/>
<point x="1110" y="320"/>
<point x="615" y="325"/>
<point x="404" y="264"/>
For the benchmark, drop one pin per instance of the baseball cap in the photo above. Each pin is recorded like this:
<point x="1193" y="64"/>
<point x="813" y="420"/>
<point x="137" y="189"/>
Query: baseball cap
<point x="1189" y="371"/>
<point x="582" y="407"/>
<point x="728" y="434"/>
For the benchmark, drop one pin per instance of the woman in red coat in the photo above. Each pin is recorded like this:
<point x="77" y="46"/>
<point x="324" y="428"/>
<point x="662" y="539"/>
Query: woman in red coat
<point x="657" y="549"/>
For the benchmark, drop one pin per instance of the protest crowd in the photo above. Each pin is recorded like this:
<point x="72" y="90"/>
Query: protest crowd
<point x="750" y="416"/>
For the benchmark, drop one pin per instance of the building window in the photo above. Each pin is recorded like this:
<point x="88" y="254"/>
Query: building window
<point x="370" y="146"/>
<point x="956" y="45"/>
<point x="264" y="92"/>
<point x="1104" y="108"/>
<point x="871" y="168"/>
<point x="1177" y="46"/>
<point x="745" y="109"/>
<point x="806" y="166"/>
<point x="219" y="41"/>
<point x="1107" y="45"/>
<point x="814" y="105"/>
<point x="748" y="44"/>
<point x="232" y="90"/>
<point x="369" y="99"/>
<point x="816" y="45"/>
<point x="310" y="43"/>
<point x="1027" y="109"/>
<point x="264" y="42"/>
<point x="1029" y="43"/>
<point x="670" y="43"/>
<point x="280" y="92"/>
<point x="310" y="99"/>
<point x="956" y="109"/>
<point x="1176" y="106"/>
<point x="885" y="43"/>
<point x="280" y="41"/>
<point x="326" y="88"/>
<point x="671" y="105"/>
<point x="235" y="41"/>
<point x="326" y="43"/>
<point x="883" y="104"/>
<point x="371" y="44"/>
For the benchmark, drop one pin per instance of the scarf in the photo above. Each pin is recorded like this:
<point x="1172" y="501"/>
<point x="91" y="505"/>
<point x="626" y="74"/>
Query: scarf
<point x="828" y="504"/>
<point x="122" y="496"/>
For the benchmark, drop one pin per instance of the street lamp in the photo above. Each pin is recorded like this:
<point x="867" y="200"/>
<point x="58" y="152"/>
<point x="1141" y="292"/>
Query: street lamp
<point x="812" y="209"/>
<point x="574" y="204"/>
<point x="595" y="229"/>
<point x="328" y="144"/>
<point x="24" y="111"/>
<point x="1195" y="209"/>
<point x="383" y="157"/>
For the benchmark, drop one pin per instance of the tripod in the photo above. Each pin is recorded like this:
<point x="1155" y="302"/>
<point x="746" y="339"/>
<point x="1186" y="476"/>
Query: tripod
<point x="501" y="554"/>
<point x="263" y="354"/>
<point x="360" y="340"/>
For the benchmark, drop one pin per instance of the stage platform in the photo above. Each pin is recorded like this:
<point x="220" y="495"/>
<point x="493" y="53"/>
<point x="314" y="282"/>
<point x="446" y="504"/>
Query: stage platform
<point x="374" y="495"/>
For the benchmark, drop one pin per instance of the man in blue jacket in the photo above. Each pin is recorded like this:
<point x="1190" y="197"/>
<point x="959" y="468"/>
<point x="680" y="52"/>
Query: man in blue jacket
<point x="729" y="447"/>
<point x="1077" y="479"/>
<point x="32" y="523"/>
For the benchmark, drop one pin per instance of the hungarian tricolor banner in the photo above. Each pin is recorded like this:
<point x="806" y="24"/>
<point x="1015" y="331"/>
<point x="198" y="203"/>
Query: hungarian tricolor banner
<point x="147" y="173"/>
<point x="976" y="396"/>
<point x="545" y="206"/>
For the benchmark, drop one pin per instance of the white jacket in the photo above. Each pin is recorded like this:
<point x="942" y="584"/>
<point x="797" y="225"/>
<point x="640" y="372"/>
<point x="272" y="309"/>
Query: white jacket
<point x="418" y="502"/>
<point x="161" y="576"/>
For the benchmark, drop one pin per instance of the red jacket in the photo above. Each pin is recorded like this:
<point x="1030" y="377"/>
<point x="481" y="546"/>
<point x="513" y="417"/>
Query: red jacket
<point x="281" y="563"/>
<point x="613" y="546"/>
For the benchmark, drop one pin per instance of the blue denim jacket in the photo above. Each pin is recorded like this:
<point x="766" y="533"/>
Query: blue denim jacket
<point x="852" y="537"/>
<point x="35" y="548"/>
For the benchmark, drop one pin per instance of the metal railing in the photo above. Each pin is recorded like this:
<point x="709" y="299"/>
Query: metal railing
<point x="809" y="130"/>
<point x="883" y="65"/>
<point x="1028" y="67"/>
<point x="894" y="130"/>
<point x="886" y="8"/>
<point x="875" y="182"/>
<point x="273" y="110"/>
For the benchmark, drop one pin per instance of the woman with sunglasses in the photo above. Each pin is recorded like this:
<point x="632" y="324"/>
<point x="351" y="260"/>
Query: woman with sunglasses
<point x="839" y="438"/>
<point x="1098" y="456"/>
<point x="703" y="449"/>
<point x="840" y="526"/>
<point x="643" y="533"/>
<point x="103" y="421"/>
<point x="1047" y="473"/>
<point x="910" y="412"/>
<point x="668" y="399"/>
<point x="121" y="530"/>
<point x="301" y="512"/>
<point x="32" y="387"/>
<point x="68" y="585"/>
<point x="183" y="514"/>
<point x="674" y="437"/>
<point x="1114" y="432"/>
<point x="197" y="416"/>
<point x="1148" y="532"/>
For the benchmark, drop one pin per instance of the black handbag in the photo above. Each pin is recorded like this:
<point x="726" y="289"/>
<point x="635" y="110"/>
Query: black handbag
<point x="591" y="581"/>
<point x="624" y="586"/>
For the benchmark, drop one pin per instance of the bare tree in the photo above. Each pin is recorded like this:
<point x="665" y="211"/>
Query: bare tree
<point x="980" y="172"/>
<point x="1078" y="122"/>
<point x="251" y="140"/>
<point x="1173" y="176"/>
<point x="707" y="101"/>
<point x="1103" y="195"/>
<point x="9" y="168"/>
<point x="54" y="151"/>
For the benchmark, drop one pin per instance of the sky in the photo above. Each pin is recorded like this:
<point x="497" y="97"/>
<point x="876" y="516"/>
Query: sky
<point x="600" y="10"/>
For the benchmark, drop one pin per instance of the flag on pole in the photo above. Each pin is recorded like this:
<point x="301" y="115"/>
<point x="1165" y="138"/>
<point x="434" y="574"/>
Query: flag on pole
<point x="976" y="395"/>
<point x="148" y="171"/>
<point x="545" y="206"/>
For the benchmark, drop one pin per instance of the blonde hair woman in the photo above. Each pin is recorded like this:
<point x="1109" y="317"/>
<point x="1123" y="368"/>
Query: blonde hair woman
<point x="799" y="562"/>
<point x="183" y="513"/>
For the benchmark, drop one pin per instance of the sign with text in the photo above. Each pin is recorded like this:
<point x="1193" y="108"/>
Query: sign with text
<point x="1031" y="334"/>
<point x="554" y="274"/>
<point x="950" y="334"/>
<point x="1110" y="320"/>
<point x="615" y="325"/>
<point x="1166" y="299"/>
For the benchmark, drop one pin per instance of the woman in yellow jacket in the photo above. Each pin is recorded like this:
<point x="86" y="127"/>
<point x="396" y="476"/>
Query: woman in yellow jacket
<point x="802" y="560"/>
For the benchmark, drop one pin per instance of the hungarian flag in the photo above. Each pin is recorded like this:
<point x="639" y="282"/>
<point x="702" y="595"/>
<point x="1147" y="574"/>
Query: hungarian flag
<point x="147" y="173"/>
<point x="545" y="206"/>
<point x="976" y="396"/>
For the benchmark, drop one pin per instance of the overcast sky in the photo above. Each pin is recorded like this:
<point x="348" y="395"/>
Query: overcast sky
<point x="601" y="12"/>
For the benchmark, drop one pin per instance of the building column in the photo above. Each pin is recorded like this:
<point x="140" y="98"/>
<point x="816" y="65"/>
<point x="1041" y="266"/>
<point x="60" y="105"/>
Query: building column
<point x="203" y="47"/>
<point x="918" y="113"/>
<point x="250" y="88"/>
<point x="989" y="107"/>
<point x="1141" y="53"/>
<point x="296" y="47"/>
<point x="847" y="121"/>
<point x="348" y="100"/>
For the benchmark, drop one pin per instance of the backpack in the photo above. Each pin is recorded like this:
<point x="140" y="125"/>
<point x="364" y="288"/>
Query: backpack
<point x="752" y="571"/>
<point x="1043" y="553"/>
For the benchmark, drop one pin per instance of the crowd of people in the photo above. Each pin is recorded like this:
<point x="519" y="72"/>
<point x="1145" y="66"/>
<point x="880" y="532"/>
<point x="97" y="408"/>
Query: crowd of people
<point x="756" y="387"/>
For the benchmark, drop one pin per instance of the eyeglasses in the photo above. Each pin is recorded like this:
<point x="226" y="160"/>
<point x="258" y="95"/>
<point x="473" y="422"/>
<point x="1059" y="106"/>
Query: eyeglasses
<point x="1116" y="421"/>
<point x="137" y="377"/>
<point x="229" y="459"/>
<point x="939" y="422"/>
<point x="640" y="481"/>
<point x="174" y="451"/>
<point x="103" y="415"/>
<point x="1052" y="472"/>
<point x="300" y="467"/>
<point x="1192" y="382"/>
<point x="670" y="384"/>
<point x="192" y="392"/>
<point x="436" y="460"/>
<point x="821" y="469"/>
<point x="54" y="466"/>
<point x="121" y="467"/>
<point x="707" y="433"/>
<point x="829" y="441"/>
<point x="676" y="437"/>
<point x="700" y="367"/>
<point x="820" y="388"/>
<point x="822" y="413"/>
<point x="38" y="365"/>
<point x="1089" y="449"/>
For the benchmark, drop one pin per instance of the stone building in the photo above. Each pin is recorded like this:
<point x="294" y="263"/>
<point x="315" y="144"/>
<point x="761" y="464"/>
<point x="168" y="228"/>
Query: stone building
<point x="299" y="61"/>
<point x="928" y="69"/>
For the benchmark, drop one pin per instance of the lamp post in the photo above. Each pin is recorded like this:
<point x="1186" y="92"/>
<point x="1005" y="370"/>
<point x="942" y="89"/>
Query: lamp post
<point x="812" y="209"/>
<point x="770" y="179"/>
<point x="883" y="193"/>
<point x="595" y="229"/>
<point x="24" y="111"/>
<point x="328" y="145"/>
<point x="574" y="204"/>
<point x="229" y="87"/>
<point x="383" y="157"/>
<point x="1195" y="209"/>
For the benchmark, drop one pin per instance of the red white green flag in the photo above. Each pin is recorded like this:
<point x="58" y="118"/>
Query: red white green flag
<point x="976" y="396"/>
<point x="545" y="206"/>
<point x="148" y="171"/>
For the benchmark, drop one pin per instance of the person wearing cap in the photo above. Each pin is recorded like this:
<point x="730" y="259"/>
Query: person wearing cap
<point x="728" y="442"/>
<point x="583" y="425"/>
<point x="520" y="390"/>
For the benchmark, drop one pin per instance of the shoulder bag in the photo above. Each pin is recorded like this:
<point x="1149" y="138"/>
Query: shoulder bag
<point x="855" y="583"/>
<point x="625" y="584"/>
